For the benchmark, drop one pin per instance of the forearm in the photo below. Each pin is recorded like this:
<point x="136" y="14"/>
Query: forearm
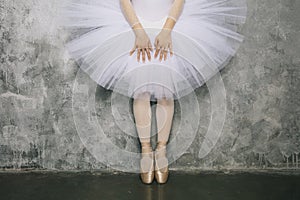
<point x="174" y="14"/>
<point x="130" y="15"/>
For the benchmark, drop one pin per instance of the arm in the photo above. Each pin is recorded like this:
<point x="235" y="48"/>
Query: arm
<point x="130" y="15"/>
<point x="163" y="41"/>
<point x="174" y="14"/>
<point x="142" y="42"/>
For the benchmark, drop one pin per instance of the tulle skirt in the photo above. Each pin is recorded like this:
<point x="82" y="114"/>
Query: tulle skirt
<point x="204" y="38"/>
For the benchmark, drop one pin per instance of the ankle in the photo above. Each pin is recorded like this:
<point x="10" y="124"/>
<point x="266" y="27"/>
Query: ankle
<point x="161" y="149"/>
<point x="146" y="147"/>
<point x="161" y="145"/>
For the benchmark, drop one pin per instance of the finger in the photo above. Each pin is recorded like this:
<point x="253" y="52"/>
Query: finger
<point x="156" y="43"/>
<point x="161" y="54"/>
<point x="156" y="52"/>
<point x="132" y="50"/>
<point x="171" y="49"/>
<point x="150" y="46"/>
<point x="138" y="54"/>
<point x="148" y="54"/>
<point x="143" y="54"/>
<point x="165" y="54"/>
<point x="156" y="48"/>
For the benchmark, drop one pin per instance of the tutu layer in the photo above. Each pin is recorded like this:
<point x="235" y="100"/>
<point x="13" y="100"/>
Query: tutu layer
<point x="204" y="38"/>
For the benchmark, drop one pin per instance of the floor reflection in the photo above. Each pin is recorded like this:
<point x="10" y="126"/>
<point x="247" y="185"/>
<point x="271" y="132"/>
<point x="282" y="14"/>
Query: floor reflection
<point x="86" y="186"/>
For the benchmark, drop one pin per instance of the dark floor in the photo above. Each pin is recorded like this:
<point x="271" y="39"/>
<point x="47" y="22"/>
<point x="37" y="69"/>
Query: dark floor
<point x="85" y="186"/>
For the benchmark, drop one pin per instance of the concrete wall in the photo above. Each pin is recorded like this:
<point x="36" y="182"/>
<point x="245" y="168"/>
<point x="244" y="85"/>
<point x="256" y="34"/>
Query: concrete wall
<point x="37" y="125"/>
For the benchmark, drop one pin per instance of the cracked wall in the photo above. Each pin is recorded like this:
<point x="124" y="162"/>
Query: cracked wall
<point x="37" y="128"/>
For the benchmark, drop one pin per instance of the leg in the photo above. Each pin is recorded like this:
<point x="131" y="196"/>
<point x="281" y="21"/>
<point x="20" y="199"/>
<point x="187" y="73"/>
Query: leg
<point x="142" y="115"/>
<point x="164" y="117"/>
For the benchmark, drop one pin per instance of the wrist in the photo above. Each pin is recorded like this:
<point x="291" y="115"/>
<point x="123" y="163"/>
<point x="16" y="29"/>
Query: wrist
<point x="173" y="18"/>
<point x="137" y="27"/>
<point x="137" y="23"/>
<point x="139" y="31"/>
<point x="168" y="30"/>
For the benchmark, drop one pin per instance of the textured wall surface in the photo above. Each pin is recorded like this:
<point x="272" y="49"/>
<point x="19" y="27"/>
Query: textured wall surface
<point x="37" y="126"/>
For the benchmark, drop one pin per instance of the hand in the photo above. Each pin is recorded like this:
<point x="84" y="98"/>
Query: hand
<point x="142" y="44"/>
<point x="163" y="41"/>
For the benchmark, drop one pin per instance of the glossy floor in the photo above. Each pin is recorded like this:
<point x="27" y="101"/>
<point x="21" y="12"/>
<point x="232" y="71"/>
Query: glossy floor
<point x="85" y="186"/>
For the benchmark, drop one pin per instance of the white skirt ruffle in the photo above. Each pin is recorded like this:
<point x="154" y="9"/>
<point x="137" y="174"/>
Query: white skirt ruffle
<point x="204" y="38"/>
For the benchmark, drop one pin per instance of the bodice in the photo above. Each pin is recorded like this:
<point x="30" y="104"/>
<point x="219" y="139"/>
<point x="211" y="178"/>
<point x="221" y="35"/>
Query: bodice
<point x="152" y="9"/>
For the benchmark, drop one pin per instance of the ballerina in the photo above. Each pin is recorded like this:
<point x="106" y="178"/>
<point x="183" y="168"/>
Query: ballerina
<point x="141" y="105"/>
<point x="192" y="39"/>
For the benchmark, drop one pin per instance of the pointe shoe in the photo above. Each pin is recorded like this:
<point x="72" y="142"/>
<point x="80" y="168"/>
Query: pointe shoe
<point x="161" y="163"/>
<point x="147" y="166"/>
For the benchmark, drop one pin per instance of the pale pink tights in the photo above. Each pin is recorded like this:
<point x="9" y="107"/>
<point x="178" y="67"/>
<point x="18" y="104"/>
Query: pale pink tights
<point x="142" y="114"/>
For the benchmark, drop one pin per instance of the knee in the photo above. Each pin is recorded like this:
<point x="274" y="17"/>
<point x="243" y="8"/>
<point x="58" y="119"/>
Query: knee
<point x="145" y="96"/>
<point x="165" y="102"/>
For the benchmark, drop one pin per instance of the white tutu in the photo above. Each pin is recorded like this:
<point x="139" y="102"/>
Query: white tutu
<point x="204" y="38"/>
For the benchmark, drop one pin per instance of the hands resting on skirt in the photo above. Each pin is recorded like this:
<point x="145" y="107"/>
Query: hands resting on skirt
<point x="143" y="46"/>
<point x="163" y="41"/>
